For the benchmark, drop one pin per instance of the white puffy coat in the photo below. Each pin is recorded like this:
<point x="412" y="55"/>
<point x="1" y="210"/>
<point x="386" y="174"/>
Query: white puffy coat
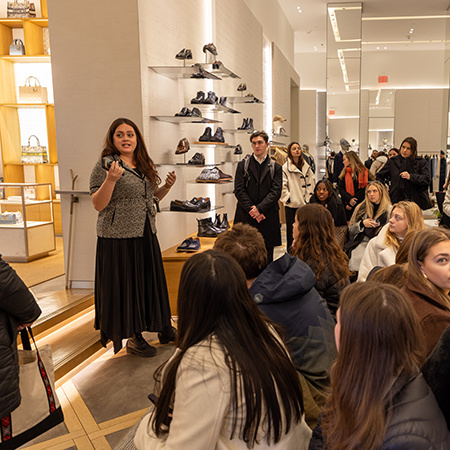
<point x="298" y="185"/>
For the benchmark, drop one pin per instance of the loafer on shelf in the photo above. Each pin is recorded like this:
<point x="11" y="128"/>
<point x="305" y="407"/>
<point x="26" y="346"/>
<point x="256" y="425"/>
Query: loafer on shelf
<point x="242" y="87"/>
<point x="204" y="204"/>
<point x="182" y="147"/>
<point x="167" y="335"/>
<point x="137" y="345"/>
<point x="189" y="245"/>
<point x="186" y="206"/>
<point x="196" y="112"/>
<point x="197" y="160"/>
<point x="209" y="176"/>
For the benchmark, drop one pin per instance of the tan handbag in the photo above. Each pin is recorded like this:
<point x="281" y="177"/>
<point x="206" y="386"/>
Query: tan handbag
<point x="33" y="93"/>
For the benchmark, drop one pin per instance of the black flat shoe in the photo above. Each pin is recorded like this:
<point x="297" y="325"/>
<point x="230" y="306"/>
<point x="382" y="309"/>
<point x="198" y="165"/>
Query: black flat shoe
<point x="168" y="335"/>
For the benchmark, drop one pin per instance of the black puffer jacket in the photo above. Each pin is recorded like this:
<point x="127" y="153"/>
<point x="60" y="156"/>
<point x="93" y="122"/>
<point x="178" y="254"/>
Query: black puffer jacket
<point x="417" y="422"/>
<point x="17" y="306"/>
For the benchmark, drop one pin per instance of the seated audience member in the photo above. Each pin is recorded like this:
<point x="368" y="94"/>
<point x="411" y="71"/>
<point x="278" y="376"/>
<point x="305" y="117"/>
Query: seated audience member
<point x="436" y="370"/>
<point x="378" y="398"/>
<point x="315" y="244"/>
<point x="382" y="249"/>
<point x="428" y="282"/>
<point x="367" y="220"/>
<point x="230" y="383"/>
<point x="284" y="291"/>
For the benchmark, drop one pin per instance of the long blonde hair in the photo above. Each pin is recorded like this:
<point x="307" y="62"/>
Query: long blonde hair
<point x="414" y="220"/>
<point x="355" y="164"/>
<point x="366" y="207"/>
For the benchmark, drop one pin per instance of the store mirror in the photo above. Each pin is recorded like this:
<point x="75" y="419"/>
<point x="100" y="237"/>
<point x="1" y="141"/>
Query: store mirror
<point x="343" y="72"/>
<point x="381" y="119"/>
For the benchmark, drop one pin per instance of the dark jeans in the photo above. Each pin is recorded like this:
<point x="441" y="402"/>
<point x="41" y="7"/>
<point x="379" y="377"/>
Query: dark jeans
<point x="290" y="219"/>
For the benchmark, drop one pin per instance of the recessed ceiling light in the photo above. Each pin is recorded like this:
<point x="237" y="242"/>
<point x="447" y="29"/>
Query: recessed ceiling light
<point x="385" y="48"/>
<point x="378" y="48"/>
<point x="299" y="10"/>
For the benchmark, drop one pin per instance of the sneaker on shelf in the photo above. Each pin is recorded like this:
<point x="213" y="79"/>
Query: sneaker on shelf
<point x="209" y="176"/>
<point x="197" y="160"/>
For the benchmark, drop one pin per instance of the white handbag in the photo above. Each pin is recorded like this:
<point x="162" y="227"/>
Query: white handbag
<point x="33" y="93"/>
<point x="34" y="154"/>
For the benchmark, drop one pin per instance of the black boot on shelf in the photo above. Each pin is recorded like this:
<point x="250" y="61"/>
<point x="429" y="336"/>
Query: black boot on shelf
<point x="224" y="224"/>
<point x="222" y="101"/>
<point x="216" y="222"/>
<point x="184" y="54"/>
<point x="238" y="150"/>
<point x="250" y="124"/>
<point x="210" y="48"/>
<point x="185" y="112"/>
<point x="213" y="227"/>
<point x="205" y="229"/>
<point x="196" y="112"/>
<point x="218" y="136"/>
<point x="206" y="136"/>
<point x="211" y="99"/>
<point x="244" y="125"/>
<point x="199" y="99"/>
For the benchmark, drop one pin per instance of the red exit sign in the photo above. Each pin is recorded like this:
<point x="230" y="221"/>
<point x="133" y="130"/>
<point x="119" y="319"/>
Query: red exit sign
<point x="382" y="79"/>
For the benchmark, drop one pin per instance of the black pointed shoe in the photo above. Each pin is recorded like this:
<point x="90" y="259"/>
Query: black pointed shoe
<point x="206" y="136"/>
<point x="224" y="224"/>
<point x="199" y="99"/>
<point x="210" y="48"/>
<point x="137" y="345"/>
<point x="218" y="136"/>
<point x="184" y="54"/>
<point x="211" y="99"/>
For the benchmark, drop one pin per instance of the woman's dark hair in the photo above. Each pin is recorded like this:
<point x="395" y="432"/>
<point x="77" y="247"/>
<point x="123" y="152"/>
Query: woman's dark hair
<point x="213" y="300"/>
<point x="395" y="150"/>
<point x="413" y="143"/>
<point x="316" y="243"/>
<point x="402" y="254"/>
<point x="379" y="339"/>
<point x="141" y="157"/>
<point x="328" y="186"/>
<point x="301" y="160"/>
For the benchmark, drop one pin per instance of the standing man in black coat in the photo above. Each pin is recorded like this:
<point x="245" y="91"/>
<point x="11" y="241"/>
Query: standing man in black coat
<point x="257" y="187"/>
<point x="18" y="309"/>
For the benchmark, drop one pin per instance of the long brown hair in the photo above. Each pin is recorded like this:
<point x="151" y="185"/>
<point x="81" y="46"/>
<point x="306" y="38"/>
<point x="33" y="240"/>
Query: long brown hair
<point x="413" y="143"/>
<point x="213" y="300"/>
<point x="301" y="160"/>
<point x="141" y="157"/>
<point x="366" y="207"/>
<point x="414" y="219"/>
<point x="355" y="163"/>
<point x="418" y="251"/>
<point x="379" y="339"/>
<point x="316" y="242"/>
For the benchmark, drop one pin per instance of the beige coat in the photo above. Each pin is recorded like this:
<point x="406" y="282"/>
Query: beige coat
<point x="298" y="185"/>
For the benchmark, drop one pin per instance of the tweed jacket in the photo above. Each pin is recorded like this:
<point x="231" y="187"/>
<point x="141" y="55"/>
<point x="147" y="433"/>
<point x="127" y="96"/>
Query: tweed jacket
<point x="132" y="201"/>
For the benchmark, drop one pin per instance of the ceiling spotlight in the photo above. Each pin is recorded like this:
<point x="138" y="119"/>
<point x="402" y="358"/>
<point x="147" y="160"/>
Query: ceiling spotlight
<point x="378" y="48"/>
<point x="385" y="48"/>
<point x="299" y="10"/>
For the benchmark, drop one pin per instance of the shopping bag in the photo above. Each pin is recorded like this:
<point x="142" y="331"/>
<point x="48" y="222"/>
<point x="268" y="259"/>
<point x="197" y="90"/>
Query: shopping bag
<point x="32" y="92"/>
<point x="17" y="48"/>
<point x="16" y="9"/>
<point x="39" y="409"/>
<point x="36" y="154"/>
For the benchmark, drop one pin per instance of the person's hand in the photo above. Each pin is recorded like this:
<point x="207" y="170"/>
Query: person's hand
<point x="260" y="218"/>
<point x="445" y="186"/>
<point x="114" y="172"/>
<point x="254" y="213"/>
<point x="22" y="326"/>
<point x="170" y="180"/>
<point x="405" y="175"/>
<point x="348" y="207"/>
<point x="370" y="223"/>
<point x="353" y="201"/>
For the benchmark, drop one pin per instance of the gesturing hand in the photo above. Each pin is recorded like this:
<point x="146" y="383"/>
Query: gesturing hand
<point x="114" y="172"/>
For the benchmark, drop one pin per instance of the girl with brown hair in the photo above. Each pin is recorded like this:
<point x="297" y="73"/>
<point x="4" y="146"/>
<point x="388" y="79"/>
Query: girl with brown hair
<point x="315" y="244"/>
<point x="428" y="283"/>
<point x="378" y="399"/>
<point x="298" y="185"/>
<point x="353" y="181"/>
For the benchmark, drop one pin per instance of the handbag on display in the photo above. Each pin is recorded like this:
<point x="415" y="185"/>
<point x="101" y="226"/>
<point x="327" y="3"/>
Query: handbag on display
<point x="16" y="9"/>
<point x="39" y="409"/>
<point x="34" y="154"/>
<point x="33" y="93"/>
<point x="17" y="47"/>
<point x="7" y="218"/>
<point x="32" y="11"/>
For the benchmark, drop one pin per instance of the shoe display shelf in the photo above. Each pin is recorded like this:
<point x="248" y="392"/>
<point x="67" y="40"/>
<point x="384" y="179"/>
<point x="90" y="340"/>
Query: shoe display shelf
<point x="213" y="208"/>
<point x="175" y="72"/>
<point x="208" y="144"/>
<point x="204" y="107"/>
<point x="31" y="31"/>
<point x="184" y="119"/>
<point x="244" y="99"/>
<point x="222" y="71"/>
<point x="238" y="131"/>
<point x="34" y="236"/>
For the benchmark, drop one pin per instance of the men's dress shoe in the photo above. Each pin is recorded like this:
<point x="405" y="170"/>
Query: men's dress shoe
<point x="168" y="334"/>
<point x="217" y="64"/>
<point x="242" y="87"/>
<point x="196" y="112"/>
<point x="189" y="245"/>
<point x="197" y="160"/>
<point x="204" y="204"/>
<point x="185" y="112"/>
<point x="206" y="136"/>
<point x="179" y="205"/>
<point x="137" y="345"/>
<point x="244" y="125"/>
<point x="210" y="48"/>
<point x="213" y="227"/>
<point x="224" y="224"/>
<point x="222" y="101"/>
<point x="211" y="99"/>
<point x="238" y="150"/>
<point x="209" y="176"/>
<point x="250" y="124"/>
<point x="184" y="54"/>
<point x="205" y="228"/>
<point x="223" y="176"/>
<point x="199" y="99"/>
<point x="218" y="136"/>
<point x="182" y="147"/>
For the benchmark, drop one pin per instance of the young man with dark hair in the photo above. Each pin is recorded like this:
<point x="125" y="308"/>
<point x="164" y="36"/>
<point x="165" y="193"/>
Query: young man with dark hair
<point x="257" y="187"/>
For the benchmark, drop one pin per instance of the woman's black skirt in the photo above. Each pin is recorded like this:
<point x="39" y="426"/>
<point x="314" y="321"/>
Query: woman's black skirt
<point x="130" y="288"/>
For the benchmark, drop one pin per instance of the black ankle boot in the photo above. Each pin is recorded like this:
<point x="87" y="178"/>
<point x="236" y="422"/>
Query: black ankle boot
<point x="168" y="334"/>
<point x="244" y="125"/>
<point x="205" y="229"/>
<point x="217" y="221"/>
<point x="211" y="99"/>
<point x="218" y="136"/>
<point x="206" y="136"/>
<point x="185" y="112"/>
<point x="224" y="224"/>
<point x="238" y="150"/>
<point x="137" y="345"/>
<point x="250" y="124"/>
<point x="199" y="99"/>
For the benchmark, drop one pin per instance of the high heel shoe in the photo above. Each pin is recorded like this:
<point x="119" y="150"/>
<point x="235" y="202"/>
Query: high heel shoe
<point x="210" y="48"/>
